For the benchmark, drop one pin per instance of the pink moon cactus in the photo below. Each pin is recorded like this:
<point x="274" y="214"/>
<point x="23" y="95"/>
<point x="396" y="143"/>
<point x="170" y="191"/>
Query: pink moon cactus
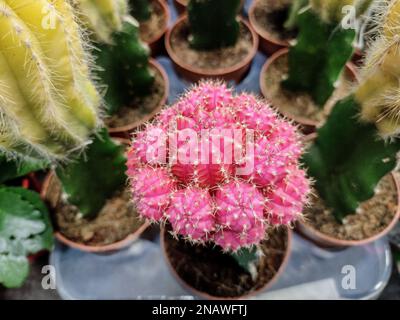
<point x="209" y="199"/>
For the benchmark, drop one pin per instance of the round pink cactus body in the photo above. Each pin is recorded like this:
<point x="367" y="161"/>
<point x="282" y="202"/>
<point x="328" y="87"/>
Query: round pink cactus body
<point x="152" y="189"/>
<point x="231" y="168"/>
<point x="286" y="201"/>
<point x="191" y="213"/>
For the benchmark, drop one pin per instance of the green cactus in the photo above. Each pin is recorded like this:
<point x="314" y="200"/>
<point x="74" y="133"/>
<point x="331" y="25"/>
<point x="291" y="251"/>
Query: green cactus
<point x="125" y="67"/>
<point x="48" y="102"/>
<point x="359" y="142"/>
<point x="322" y="48"/>
<point x="213" y="23"/>
<point x="140" y="9"/>
<point x="93" y="177"/>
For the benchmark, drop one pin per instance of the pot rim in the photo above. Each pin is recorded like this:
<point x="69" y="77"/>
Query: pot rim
<point x="350" y="68"/>
<point x="207" y="296"/>
<point x="211" y="72"/>
<point x="318" y="236"/>
<point x="262" y="32"/>
<point x="90" y="248"/>
<point x="130" y="127"/>
<point x="164" y="29"/>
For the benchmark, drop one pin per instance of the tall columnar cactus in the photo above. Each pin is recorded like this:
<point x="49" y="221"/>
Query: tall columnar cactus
<point x="125" y="66"/>
<point x="48" y="102"/>
<point x="206" y="198"/>
<point x="140" y="9"/>
<point x="323" y="46"/>
<point x="213" y="23"/>
<point x="103" y="17"/>
<point x="358" y="144"/>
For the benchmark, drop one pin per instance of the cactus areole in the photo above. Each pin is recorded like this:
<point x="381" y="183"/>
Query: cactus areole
<point x="219" y="168"/>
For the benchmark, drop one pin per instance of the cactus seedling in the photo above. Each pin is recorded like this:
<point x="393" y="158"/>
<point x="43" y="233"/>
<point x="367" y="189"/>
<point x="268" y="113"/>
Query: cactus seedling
<point x="207" y="198"/>
<point x="213" y="23"/>
<point x="323" y="46"/>
<point x="48" y="102"/>
<point x="358" y="144"/>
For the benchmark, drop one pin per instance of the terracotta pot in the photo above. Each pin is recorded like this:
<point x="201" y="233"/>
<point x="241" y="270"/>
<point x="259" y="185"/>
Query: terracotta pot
<point x="194" y="74"/>
<point x="156" y="44"/>
<point x="125" y="131"/>
<point x="51" y="193"/>
<point x="268" y="44"/>
<point x="307" y="125"/>
<point x="180" y="5"/>
<point x="207" y="296"/>
<point x="358" y="57"/>
<point x="326" y="241"/>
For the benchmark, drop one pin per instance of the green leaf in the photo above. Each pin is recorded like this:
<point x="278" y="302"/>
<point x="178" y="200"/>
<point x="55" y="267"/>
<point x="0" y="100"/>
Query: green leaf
<point x="247" y="258"/>
<point x="12" y="169"/>
<point x="13" y="270"/>
<point x="90" y="180"/>
<point x="348" y="159"/>
<point x="319" y="57"/>
<point x="24" y="229"/>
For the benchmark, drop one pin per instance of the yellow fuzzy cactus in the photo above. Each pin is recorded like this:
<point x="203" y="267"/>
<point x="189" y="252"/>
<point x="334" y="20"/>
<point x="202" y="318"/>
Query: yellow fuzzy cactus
<point x="378" y="93"/>
<point x="331" y="11"/>
<point x="49" y="105"/>
<point x="103" y="17"/>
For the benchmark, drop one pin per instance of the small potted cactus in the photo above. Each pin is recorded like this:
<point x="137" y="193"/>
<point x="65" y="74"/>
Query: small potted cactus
<point x="89" y="201"/>
<point x="352" y="160"/>
<point x="304" y="81"/>
<point x="136" y="87"/>
<point x="153" y="17"/>
<point x="212" y="41"/>
<point x="221" y="173"/>
<point x="270" y="19"/>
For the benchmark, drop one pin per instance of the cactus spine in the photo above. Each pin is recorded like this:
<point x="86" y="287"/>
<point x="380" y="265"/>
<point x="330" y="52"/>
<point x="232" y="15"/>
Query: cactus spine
<point x="323" y="47"/>
<point x="378" y="93"/>
<point x="348" y="169"/>
<point x="213" y="23"/>
<point x="46" y="93"/>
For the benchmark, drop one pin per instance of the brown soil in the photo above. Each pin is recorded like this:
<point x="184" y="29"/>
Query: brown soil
<point x="210" y="59"/>
<point x="208" y="270"/>
<point x="141" y="106"/>
<point x="117" y="220"/>
<point x="297" y="104"/>
<point x="152" y="29"/>
<point x="373" y="217"/>
<point x="271" y="15"/>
